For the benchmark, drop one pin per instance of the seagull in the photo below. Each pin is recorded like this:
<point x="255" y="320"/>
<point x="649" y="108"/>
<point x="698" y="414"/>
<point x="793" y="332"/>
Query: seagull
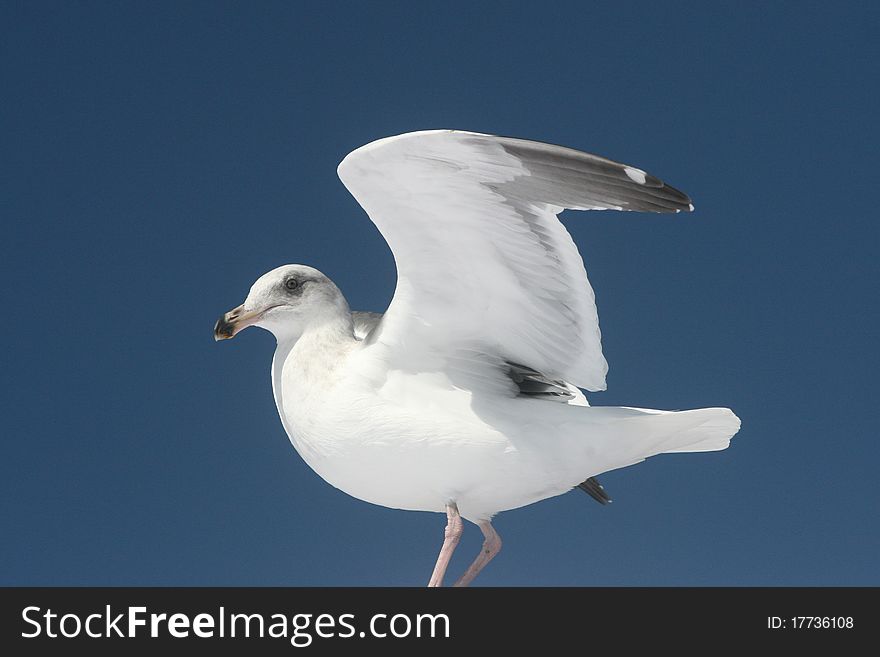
<point x="466" y="396"/>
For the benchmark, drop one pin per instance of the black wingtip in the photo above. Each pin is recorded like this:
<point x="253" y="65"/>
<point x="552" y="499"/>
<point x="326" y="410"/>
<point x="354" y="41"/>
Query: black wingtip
<point x="594" y="489"/>
<point x="682" y="200"/>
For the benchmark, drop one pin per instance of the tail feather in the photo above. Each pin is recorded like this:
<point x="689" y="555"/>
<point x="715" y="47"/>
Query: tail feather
<point x="660" y="432"/>
<point x="712" y="434"/>
<point x="630" y="435"/>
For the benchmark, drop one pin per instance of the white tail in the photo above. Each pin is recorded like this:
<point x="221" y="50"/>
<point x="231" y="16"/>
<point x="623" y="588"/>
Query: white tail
<point x="631" y="435"/>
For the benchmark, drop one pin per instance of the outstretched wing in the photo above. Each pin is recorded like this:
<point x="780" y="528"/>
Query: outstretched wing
<point x="483" y="263"/>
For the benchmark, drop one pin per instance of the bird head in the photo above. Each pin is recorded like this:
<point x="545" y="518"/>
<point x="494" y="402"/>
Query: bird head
<point x="284" y="301"/>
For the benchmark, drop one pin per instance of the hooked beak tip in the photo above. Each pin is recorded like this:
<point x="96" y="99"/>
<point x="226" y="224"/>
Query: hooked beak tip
<point x="231" y="323"/>
<point x="223" y="329"/>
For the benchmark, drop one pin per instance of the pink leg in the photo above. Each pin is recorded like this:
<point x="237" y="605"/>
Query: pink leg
<point x="451" y="536"/>
<point x="491" y="547"/>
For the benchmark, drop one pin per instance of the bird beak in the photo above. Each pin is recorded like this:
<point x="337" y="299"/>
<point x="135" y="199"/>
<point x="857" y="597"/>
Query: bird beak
<point x="234" y="321"/>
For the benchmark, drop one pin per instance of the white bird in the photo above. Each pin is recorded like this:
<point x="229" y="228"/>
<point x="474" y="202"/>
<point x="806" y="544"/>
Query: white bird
<point x="464" y="396"/>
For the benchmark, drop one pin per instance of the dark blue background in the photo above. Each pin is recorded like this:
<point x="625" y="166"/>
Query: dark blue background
<point x="158" y="157"/>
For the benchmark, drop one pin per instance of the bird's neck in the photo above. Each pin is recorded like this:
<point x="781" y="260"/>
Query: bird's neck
<point x="315" y="355"/>
<point x="332" y="332"/>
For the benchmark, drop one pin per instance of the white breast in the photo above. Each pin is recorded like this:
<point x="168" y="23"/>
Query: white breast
<point x="411" y="441"/>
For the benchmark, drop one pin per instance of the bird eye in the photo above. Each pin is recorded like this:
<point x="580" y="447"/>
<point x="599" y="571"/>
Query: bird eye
<point x="291" y="283"/>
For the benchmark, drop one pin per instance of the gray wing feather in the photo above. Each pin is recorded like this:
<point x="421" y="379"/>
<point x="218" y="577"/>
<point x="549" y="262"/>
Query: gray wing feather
<point x="532" y="383"/>
<point x="573" y="179"/>
<point x="594" y="489"/>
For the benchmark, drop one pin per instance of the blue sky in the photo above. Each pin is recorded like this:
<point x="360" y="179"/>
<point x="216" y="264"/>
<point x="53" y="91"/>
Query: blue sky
<point x="159" y="157"/>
